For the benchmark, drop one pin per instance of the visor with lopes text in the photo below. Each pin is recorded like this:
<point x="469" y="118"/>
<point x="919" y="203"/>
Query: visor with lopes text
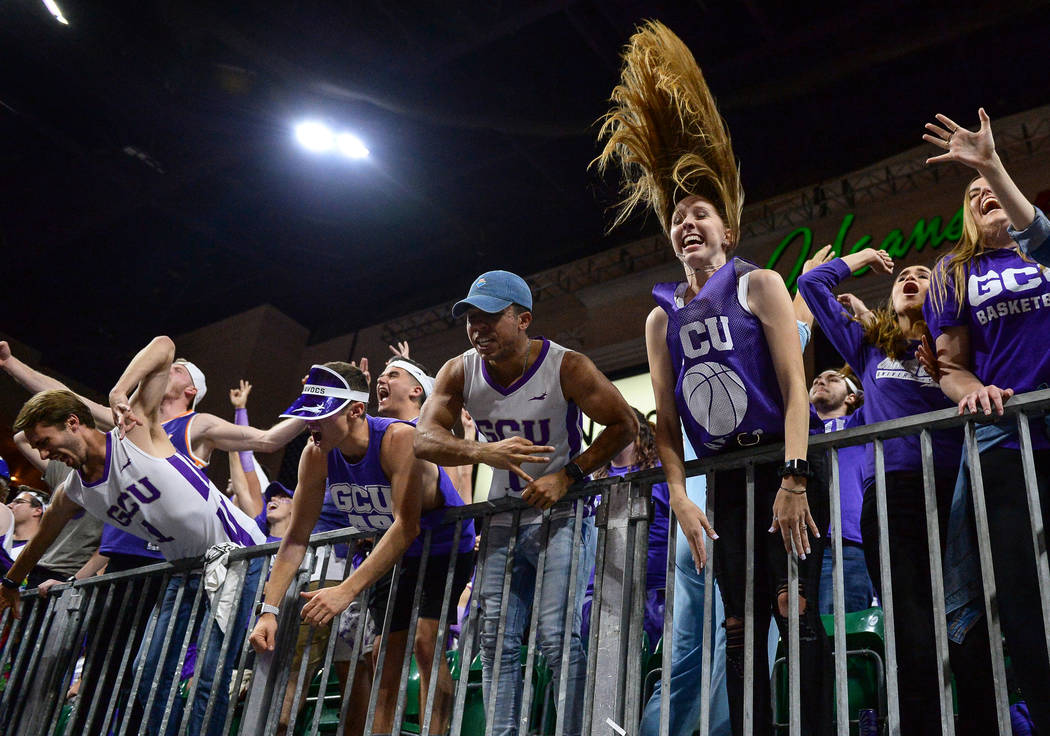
<point x="325" y="393"/>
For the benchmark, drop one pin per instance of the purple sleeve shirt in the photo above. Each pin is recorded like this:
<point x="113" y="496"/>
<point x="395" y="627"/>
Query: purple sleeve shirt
<point x="1006" y="310"/>
<point x="893" y="388"/>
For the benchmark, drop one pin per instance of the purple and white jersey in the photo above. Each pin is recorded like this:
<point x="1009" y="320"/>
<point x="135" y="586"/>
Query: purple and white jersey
<point x="179" y="431"/>
<point x="166" y="501"/>
<point x="726" y="387"/>
<point x="532" y="407"/>
<point x="1007" y="311"/>
<point x="361" y="490"/>
<point x="893" y="388"/>
<point x="851" y="476"/>
<point x="116" y="541"/>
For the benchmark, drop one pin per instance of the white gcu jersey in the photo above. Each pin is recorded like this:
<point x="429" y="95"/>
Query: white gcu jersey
<point x="166" y="501"/>
<point x="533" y="407"/>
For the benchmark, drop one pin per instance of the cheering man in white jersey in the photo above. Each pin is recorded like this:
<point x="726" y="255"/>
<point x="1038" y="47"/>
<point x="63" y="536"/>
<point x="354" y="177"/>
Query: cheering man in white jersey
<point x="133" y="478"/>
<point x="526" y="395"/>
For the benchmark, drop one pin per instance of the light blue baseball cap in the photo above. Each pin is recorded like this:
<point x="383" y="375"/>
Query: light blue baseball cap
<point x="493" y="292"/>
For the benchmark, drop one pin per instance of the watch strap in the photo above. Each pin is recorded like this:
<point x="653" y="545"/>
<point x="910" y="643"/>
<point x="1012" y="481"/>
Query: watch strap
<point x="267" y="608"/>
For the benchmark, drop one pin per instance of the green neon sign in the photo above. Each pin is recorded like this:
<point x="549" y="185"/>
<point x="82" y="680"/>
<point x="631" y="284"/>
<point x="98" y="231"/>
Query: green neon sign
<point x="923" y="233"/>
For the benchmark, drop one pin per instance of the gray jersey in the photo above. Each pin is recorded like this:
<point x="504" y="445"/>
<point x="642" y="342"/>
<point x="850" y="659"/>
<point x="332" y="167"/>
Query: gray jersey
<point x="532" y="407"/>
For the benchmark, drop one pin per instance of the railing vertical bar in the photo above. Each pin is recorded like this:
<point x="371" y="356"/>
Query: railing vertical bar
<point x="442" y="630"/>
<point x="991" y="603"/>
<point x="839" y="598"/>
<point x="18" y="639"/>
<point x="940" y="621"/>
<point x="96" y="687"/>
<point x="490" y="707"/>
<point x="886" y="576"/>
<point x="221" y="682"/>
<point x="301" y="684"/>
<point x="530" y="658"/>
<point x="246" y="646"/>
<point x="467" y="633"/>
<point x="355" y="657"/>
<point x="73" y="646"/>
<point x="384" y="640"/>
<point x="639" y="531"/>
<point x="143" y="650"/>
<point x="749" y="606"/>
<point x="151" y="624"/>
<point x="329" y="653"/>
<point x="410" y="636"/>
<point x="570" y="617"/>
<point x="45" y="633"/>
<point x="186" y="639"/>
<point x="668" y="626"/>
<point x="794" y="679"/>
<point x="595" y="624"/>
<point x="1035" y="511"/>
<point x="709" y="615"/>
<point x="294" y="619"/>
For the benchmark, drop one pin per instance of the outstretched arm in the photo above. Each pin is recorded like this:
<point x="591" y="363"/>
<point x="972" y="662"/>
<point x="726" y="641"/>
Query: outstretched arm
<point x="56" y="517"/>
<point x="802" y="313"/>
<point x="29" y="453"/>
<point x="220" y="434"/>
<point x="34" y="382"/>
<point x="977" y="150"/>
<point x="247" y="491"/>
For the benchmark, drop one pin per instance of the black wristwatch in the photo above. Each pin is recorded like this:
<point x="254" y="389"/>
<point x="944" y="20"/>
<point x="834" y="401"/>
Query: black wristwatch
<point x="575" y="473"/>
<point x="796" y="468"/>
<point x="9" y="583"/>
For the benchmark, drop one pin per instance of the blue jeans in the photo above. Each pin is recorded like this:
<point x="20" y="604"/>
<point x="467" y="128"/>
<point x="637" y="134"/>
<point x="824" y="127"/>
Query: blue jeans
<point x="549" y="615"/>
<point x="856" y="583"/>
<point x="207" y="671"/>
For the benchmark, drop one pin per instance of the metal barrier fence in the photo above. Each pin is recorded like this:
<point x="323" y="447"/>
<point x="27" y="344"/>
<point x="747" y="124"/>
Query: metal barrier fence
<point x="90" y="634"/>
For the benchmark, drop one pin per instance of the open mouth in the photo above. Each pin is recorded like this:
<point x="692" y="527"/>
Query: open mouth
<point x="691" y="240"/>
<point x="315" y="436"/>
<point x="910" y="288"/>
<point x="382" y="392"/>
<point x="989" y="204"/>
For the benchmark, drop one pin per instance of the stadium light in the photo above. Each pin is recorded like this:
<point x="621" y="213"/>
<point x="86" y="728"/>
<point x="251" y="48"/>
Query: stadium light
<point x="318" y="137"/>
<point x="56" y="11"/>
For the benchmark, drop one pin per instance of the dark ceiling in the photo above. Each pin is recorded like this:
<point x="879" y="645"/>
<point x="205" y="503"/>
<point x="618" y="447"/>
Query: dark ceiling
<point x="154" y="185"/>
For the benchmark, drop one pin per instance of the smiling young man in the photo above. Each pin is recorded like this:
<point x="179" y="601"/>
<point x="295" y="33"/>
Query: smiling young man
<point x="528" y="397"/>
<point x="134" y="479"/>
<point x="372" y="475"/>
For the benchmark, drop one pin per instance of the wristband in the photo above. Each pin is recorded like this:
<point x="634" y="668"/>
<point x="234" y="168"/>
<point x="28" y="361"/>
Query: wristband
<point x="240" y="418"/>
<point x="797" y="468"/>
<point x="9" y="583"/>
<point x="796" y="493"/>
<point x="575" y="472"/>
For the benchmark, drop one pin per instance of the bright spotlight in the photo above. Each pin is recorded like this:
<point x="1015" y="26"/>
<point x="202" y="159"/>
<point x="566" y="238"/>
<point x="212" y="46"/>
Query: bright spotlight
<point x="351" y="146"/>
<point x="315" y="136"/>
<point x="56" y="11"/>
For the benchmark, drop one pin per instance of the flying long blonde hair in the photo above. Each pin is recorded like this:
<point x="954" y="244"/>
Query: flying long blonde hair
<point x="955" y="263"/>
<point x="665" y="134"/>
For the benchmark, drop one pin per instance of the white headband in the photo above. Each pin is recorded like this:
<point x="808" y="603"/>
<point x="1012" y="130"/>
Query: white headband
<point x="197" y="376"/>
<point x="849" y="382"/>
<point x="337" y="393"/>
<point x="424" y="380"/>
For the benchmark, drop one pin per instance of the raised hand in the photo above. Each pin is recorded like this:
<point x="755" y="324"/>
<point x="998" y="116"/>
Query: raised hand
<point x="927" y="357"/>
<point x="239" y="396"/>
<point x="822" y="256"/>
<point x="363" y="367"/>
<point x="124" y="418"/>
<point x="973" y="149"/>
<point x="400" y="351"/>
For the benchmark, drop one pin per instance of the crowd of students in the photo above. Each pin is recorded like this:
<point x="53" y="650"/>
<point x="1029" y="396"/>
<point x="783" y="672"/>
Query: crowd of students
<point x="725" y="356"/>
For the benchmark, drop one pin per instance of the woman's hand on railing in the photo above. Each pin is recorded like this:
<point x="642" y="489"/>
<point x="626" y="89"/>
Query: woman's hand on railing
<point x="694" y="523"/>
<point x="791" y="517"/>
<point x="987" y="397"/>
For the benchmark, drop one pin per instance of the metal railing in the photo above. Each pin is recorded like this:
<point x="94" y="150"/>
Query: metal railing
<point x="103" y="620"/>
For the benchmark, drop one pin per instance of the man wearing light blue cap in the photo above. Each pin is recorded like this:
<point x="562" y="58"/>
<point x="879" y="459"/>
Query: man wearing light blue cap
<point x="528" y="397"/>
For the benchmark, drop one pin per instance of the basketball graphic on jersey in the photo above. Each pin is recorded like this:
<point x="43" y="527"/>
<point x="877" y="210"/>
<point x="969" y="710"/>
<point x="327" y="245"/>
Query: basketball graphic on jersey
<point x="716" y="397"/>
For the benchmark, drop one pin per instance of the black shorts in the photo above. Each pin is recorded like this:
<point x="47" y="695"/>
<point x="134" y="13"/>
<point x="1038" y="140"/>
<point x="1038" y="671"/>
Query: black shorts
<point x="433" y="588"/>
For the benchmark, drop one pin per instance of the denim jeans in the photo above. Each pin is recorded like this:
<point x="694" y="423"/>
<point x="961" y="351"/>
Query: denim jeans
<point x="856" y="583"/>
<point x="549" y="614"/>
<point x="207" y="671"/>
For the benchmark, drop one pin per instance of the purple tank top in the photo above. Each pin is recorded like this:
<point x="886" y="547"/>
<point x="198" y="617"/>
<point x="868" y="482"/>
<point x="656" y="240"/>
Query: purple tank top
<point x="118" y="542"/>
<point x="178" y="429"/>
<point x="726" y="387"/>
<point x="361" y="490"/>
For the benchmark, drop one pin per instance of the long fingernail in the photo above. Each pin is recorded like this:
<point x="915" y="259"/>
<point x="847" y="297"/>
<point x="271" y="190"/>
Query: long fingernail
<point x="714" y="536"/>
<point x="771" y="530"/>
<point x="802" y="556"/>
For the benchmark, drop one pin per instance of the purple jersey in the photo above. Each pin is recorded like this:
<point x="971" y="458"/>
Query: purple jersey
<point x="726" y="387"/>
<point x="1007" y="312"/>
<point x="656" y="565"/>
<point x="119" y="542"/>
<point x="178" y="429"/>
<point x="361" y="490"/>
<point x="893" y="388"/>
<point x="851" y="475"/>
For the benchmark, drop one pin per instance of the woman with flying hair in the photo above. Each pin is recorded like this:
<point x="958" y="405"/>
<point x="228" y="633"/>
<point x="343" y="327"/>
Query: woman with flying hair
<point x="725" y="361"/>
<point x="881" y="346"/>
<point x="989" y="310"/>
